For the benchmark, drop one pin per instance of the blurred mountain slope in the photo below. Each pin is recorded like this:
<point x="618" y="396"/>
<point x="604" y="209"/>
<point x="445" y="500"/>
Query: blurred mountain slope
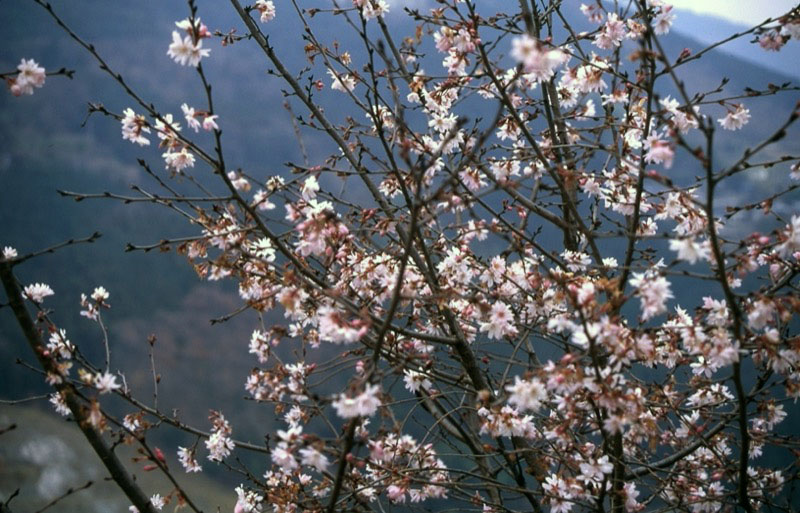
<point x="45" y="146"/>
<point x="44" y="456"/>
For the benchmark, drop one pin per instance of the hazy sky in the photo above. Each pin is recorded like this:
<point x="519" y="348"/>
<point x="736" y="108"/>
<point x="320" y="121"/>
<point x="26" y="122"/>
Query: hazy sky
<point x="748" y="12"/>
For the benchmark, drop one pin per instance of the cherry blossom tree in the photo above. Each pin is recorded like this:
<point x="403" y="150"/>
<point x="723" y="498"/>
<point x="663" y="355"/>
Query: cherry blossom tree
<point x="482" y="282"/>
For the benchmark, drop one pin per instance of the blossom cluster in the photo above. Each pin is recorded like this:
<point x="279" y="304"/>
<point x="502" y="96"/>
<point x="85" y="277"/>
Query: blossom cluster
<point x="512" y="286"/>
<point x="29" y="76"/>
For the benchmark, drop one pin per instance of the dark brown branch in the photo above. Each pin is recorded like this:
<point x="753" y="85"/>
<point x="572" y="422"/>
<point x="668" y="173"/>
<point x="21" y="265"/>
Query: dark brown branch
<point x="114" y="466"/>
<point x="63" y="496"/>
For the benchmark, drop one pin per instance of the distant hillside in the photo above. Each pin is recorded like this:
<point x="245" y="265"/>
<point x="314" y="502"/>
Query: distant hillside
<point x="44" y="456"/>
<point x="46" y="147"/>
<point x="710" y="29"/>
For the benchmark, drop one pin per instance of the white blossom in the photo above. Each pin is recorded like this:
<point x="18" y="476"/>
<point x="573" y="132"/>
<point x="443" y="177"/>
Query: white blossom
<point x="526" y="394"/>
<point x="362" y="405"/>
<point x="267" y="10"/>
<point x="415" y="380"/>
<point x="188" y="460"/>
<point x="37" y="292"/>
<point x="735" y="119"/>
<point x="186" y="52"/>
<point x="106" y="383"/>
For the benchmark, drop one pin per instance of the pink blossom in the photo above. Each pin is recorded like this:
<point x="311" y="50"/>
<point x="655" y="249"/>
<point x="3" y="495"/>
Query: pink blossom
<point x="663" y="21"/>
<point x="735" y="119"/>
<point x="362" y="405"/>
<point x="267" y="10"/>
<point x="500" y="323"/>
<point x="537" y="61"/>
<point x="653" y="290"/>
<point x="30" y="75"/>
